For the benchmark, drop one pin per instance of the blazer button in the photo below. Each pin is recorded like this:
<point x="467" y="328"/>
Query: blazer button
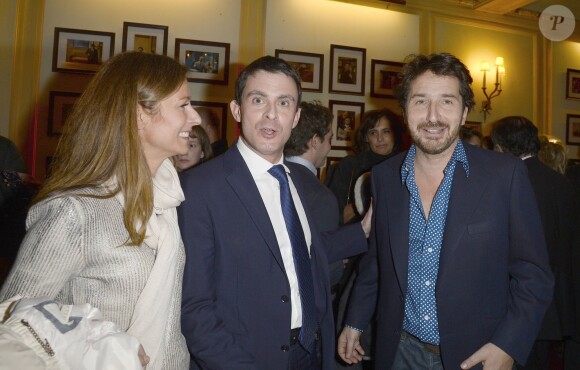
<point x="285" y="348"/>
<point x="285" y="299"/>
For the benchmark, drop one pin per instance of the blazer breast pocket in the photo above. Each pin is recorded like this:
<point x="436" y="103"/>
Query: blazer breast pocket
<point x="481" y="227"/>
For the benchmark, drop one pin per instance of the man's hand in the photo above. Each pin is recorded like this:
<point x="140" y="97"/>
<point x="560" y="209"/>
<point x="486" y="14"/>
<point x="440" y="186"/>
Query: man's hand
<point x="491" y="357"/>
<point x="366" y="221"/>
<point x="349" y="348"/>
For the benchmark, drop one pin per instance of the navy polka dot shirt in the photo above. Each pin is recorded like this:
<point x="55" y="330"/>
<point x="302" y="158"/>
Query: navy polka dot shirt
<point x="425" y="240"/>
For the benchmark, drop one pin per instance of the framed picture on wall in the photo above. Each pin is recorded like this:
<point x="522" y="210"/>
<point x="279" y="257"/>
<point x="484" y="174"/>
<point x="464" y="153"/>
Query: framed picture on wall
<point x="146" y="38"/>
<point x="208" y="62"/>
<point x="81" y="51"/>
<point x="219" y="109"/>
<point x="385" y="76"/>
<point x="347" y="70"/>
<point x="309" y="66"/>
<point x="573" y="84"/>
<point x="347" y="118"/>
<point x="573" y="129"/>
<point x="60" y="105"/>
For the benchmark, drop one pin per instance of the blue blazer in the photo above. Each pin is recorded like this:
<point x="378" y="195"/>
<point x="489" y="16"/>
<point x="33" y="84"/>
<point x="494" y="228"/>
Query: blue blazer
<point x="494" y="281"/>
<point x="236" y="309"/>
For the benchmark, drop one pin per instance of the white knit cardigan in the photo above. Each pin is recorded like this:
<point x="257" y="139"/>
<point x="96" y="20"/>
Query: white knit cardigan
<point x="73" y="252"/>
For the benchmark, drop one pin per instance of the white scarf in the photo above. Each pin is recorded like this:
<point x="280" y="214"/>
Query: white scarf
<point x="149" y="319"/>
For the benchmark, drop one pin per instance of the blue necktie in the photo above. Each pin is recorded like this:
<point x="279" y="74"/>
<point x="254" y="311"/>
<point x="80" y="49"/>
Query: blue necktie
<point x="301" y="259"/>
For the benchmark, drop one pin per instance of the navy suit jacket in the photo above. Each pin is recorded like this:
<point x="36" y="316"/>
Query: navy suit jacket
<point x="236" y="309"/>
<point x="324" y="207"/>
<point x="494" y="282"/>
<point x="556" y="202"/>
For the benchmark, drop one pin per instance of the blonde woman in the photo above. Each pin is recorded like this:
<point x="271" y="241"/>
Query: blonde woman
<point x="103" y="229"/>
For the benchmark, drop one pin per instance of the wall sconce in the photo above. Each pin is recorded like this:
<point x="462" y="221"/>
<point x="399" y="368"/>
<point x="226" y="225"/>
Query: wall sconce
<point x="499" y="71"/>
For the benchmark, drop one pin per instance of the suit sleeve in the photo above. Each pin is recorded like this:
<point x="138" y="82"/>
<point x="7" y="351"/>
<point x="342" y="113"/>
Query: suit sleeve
<point x="211" y="345"/>
<point x="345" y="242"/>
<point x="531" y="280"/>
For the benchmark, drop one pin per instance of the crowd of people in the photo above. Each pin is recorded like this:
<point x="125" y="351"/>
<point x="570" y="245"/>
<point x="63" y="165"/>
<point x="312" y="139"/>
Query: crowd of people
<point x="154" y="245"/>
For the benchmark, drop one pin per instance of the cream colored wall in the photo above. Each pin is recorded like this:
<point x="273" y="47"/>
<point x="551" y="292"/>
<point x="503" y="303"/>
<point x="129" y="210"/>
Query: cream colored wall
<point x="388" y="32"/>
<point x="216" y="20"/>
<point x="298" y="25"/>
<point x="565" y="55"/>
<point x="474" y="43"/>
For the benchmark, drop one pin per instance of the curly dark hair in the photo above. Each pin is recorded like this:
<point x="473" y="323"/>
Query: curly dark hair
<point x="443" y="64"/>
<point x="516" y="135"/>
<point x="314" y="121"/>
<point x="369" y="121"/>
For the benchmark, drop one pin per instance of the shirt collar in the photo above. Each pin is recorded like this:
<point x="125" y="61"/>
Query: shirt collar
<point x="257" y="165"/>
<point x="305" y="162"/>
<point x="457" y="156"/>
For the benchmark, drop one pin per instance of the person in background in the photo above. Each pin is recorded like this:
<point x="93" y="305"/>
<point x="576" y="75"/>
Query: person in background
<point x="552" y="155"/>
<point x="199" y="150"/>
<point x="457" y="268"/>
<point x="378" y="138"/>
<point x="308" y="146"/>
<point x="256" y="291"/>
<point x="470" y="136"/>
<point x="13" y="172"/>
<point x="518" y="136"/>
<point x="486" y="142"/>
<point x="103" y="229"/>
<point x="210" y="122"/>
<point x="572" y="347"/>
<point x="17" y="189"/>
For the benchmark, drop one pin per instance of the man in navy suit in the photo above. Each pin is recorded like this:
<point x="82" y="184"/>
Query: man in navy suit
<point x="308" y="146"/>
<point x="243" y="302"/>
<point x="518" y="136"/>
<point x="457" y="266"/>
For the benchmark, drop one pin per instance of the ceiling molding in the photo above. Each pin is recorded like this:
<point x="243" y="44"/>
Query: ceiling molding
<point x="501" y="6"/>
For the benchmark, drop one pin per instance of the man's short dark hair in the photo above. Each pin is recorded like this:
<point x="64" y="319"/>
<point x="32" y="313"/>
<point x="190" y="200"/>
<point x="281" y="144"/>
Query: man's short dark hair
<point x="314" y="121"/>
<point x="443" y="64"/>
<point x="370" y="120"/>
<point x="516" y="135"/>
<point x="268" y="64"/>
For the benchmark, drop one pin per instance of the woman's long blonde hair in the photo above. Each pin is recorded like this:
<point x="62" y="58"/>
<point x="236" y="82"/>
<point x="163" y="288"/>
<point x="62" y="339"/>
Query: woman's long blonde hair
<point x="101" y="141"/>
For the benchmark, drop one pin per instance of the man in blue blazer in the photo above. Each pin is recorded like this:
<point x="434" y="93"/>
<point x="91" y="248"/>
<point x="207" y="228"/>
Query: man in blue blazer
<point x="243" y="303"/>
<point x="308" y="146"/>
<point x="457" y="267"/>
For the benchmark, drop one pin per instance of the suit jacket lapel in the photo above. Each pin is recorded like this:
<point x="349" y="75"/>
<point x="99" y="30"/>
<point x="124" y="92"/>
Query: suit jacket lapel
<point x="466" y="194"/>
<point x="398" y="208"/>
<point x="240" y="179"/>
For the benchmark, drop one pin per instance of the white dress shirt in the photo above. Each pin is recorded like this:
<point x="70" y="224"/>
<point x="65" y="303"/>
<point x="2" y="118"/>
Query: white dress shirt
<point x="269" y="189"/>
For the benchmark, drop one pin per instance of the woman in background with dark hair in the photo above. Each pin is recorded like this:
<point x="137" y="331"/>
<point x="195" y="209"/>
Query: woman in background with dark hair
<point x="379" y="137"/>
